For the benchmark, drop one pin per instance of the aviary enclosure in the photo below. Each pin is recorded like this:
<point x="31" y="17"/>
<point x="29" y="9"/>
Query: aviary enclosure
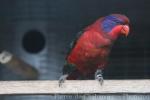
<point x="35" y="36"/>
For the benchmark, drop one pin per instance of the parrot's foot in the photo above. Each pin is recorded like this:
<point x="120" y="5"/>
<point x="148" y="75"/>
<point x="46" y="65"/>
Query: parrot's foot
<point x="99" y="76"/>
<point x="62" y="79"/>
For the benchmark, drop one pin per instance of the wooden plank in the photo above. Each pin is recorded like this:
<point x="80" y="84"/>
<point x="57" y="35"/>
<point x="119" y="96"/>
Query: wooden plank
<point x="17" y="65"/>
<point x="74" y="87"/>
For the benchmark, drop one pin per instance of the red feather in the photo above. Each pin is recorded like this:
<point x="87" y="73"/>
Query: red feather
<point x="92" y="48"/>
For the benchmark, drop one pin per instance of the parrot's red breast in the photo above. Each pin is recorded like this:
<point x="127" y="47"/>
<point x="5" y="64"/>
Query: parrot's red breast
<point x="90" y="52"/>
<point x="91" y="49"/>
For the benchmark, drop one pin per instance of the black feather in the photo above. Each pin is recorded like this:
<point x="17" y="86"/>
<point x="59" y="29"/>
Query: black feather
<point x="73" y="43"/>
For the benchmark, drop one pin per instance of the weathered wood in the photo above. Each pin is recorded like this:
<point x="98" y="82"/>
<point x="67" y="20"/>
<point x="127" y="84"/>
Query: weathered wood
<point x="74" y="87"/>
<point x="17" y="65"/>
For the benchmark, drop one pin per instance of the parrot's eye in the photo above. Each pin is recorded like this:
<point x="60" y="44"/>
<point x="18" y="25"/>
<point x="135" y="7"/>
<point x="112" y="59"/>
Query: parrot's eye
<point x="111" y="21"/>
<point x="118" y="22"/>
<point x="115" y="19"/>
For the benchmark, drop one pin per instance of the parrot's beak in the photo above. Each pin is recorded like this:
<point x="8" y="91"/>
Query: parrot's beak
<point x="125" y="30"/>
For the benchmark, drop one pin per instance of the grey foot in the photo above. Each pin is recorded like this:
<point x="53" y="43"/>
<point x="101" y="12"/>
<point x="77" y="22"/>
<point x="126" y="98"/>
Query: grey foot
<point x="99" y="77"/>
<point x="62" y="79"/>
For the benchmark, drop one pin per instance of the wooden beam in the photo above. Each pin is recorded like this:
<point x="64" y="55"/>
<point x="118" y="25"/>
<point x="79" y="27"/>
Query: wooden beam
<point x="74" y="87"/>
<point x="18" y="66"/>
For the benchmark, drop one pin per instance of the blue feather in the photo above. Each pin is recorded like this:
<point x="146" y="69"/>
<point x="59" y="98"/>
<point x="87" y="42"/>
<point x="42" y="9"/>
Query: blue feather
<point x="110" y="22"/>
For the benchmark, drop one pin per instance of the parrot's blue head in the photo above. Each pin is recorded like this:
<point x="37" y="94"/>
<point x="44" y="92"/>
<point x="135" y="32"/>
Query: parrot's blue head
<point x="113" y="20"/>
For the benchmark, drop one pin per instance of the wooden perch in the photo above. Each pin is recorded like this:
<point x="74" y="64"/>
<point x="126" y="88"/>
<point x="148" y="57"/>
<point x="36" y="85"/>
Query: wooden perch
<point x="18" y="66"/>
<point x="74" y="87"/>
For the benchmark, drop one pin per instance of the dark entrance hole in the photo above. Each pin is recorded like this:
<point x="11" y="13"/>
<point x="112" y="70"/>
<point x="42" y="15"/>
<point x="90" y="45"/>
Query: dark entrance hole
<point x="33" y="41"/>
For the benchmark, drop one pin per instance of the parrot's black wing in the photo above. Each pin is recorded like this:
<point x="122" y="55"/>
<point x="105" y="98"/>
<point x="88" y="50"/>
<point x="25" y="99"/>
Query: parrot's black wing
<point x="73" y="43"/>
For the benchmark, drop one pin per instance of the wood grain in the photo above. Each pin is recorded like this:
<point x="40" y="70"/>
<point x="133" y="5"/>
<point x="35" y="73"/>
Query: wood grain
<point x="74" y="87"/>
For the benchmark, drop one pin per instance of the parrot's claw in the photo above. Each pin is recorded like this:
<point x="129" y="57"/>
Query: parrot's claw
<point x="99" y="77"/>
<point x="62" y="79"/>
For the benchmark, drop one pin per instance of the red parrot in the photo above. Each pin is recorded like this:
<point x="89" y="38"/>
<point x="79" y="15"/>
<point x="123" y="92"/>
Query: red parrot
<point x="89" y="52"/>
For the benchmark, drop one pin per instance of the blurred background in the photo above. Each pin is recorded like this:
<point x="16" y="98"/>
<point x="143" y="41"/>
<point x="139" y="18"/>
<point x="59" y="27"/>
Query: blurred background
<point x="40" y="31"/>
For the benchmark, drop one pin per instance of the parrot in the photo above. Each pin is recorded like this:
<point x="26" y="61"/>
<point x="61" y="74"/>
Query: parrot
<point x="89" y="52"/>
